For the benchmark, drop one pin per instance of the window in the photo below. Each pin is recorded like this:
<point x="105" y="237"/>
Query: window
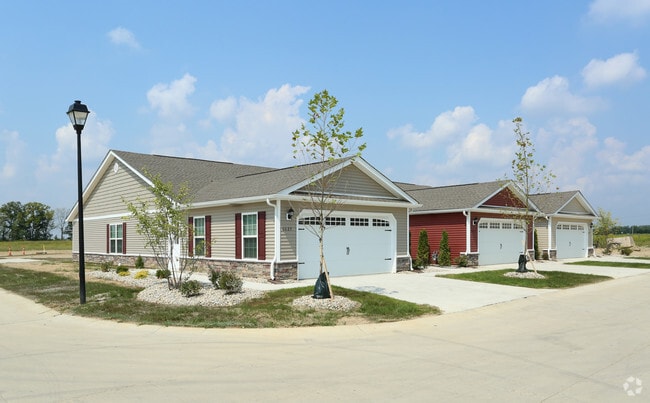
<point x="506" y="225"/>
<point x="199" y="236"/>
<point x="495" y="225"/>
<point x="334" y="221"/>
<point x="249" y="235"/>
<point x="483" y="224"/>
<point x="116" y="239"/>
<point x="378" y="222"/>
<point x="309" y="221"/>
<point x="359" y="222"/>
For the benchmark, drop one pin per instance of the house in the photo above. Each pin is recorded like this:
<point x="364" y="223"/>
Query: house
<point x="253" y="219"/>
<point x="476" y="217"/>
<point x="565" y="228"/>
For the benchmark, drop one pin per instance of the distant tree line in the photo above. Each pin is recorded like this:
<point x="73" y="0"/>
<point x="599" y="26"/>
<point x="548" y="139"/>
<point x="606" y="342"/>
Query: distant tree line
<point x="632" y="229"/>
<point x="31" y="221"/>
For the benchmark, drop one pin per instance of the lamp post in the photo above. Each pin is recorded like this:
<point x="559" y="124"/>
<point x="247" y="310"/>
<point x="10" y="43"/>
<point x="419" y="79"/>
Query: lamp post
<point x="78" y="113"/>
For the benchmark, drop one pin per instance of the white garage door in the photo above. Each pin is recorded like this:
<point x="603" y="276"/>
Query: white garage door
<point x="499" y="241"/>
<point x="354" y="244"/>
<point x="571" y="240"/>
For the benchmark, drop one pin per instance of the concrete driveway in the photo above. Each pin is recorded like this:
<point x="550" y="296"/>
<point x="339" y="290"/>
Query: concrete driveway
<point x="581" y="345"/>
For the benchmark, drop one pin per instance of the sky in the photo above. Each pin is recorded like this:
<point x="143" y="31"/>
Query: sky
<point x="434" y="85"/>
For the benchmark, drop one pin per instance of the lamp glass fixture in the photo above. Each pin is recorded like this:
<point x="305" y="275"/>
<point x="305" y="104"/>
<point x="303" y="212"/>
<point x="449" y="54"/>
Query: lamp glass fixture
<point x="78" y="113"/>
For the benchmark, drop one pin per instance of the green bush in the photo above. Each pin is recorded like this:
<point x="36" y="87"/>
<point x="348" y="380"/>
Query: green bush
<point x="231" y="282"/>
<point x="106" y="266"/>
<point x="141" y="274"/>
<point x="462" y="261"/>
<point x="626" y="250"/>
<point x="139" y="262"/>
<point x="190" y="288"/>
<point x="122" y="269"/>
<point x="423" y="256"/>
<point x="214" y="275"/>
<point x="163" y="273"/>
<point x="126" y="273"/>
<point x="444" y="256"/>
<point x="536" y="246"/>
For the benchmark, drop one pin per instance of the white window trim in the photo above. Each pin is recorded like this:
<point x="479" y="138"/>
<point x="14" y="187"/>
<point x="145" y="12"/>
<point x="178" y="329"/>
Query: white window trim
<point x="244" y="237"/>
<point x="195" y="237"/>
<point x="112" y="242"/>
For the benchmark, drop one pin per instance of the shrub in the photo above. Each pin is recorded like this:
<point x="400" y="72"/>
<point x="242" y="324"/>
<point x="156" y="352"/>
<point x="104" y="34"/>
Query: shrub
<point x="626" y="250"/>
<point x="422" y="259"/>
<point x="106" y="266"/>
<point x="214" y="275"/>
<point x="163" y="273"/>
<point x="139" y="262"/>
<point x="545" y="255"/>
<point x="124" y="273"/>
<point x="190" y="288"/>
<point x="462" y="261"/>
<point x="141" y="274"/>
<point x="444" y="256"/>
<point x="122" y="269"/>
<point x="536" y="245"/>
<point x="230" y="282"/>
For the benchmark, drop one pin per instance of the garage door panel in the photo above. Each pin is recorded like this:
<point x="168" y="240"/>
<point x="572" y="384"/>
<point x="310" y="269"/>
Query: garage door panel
<point x="570" y="240"/>
<point x="349" y="250"/>
<point x="499" y="241"/>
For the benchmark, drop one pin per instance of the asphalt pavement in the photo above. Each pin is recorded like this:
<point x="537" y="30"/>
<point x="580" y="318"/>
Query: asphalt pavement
<point x="587" y="344"/>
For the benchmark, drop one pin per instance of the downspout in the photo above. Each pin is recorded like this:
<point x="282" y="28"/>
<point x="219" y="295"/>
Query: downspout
<point x="549" y="228"/>
<point x="276" y="235"/>
<point x="468" y="231"/>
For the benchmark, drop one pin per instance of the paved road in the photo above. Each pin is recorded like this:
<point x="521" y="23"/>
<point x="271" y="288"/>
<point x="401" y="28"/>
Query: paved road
<point x="579" y="345"/>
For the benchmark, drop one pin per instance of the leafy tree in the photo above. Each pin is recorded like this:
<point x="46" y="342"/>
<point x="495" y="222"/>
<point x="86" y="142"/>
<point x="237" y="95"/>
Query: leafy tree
<point x="37" y="221"/>
<point x="530" y="177"/>
<point x="444" y="254"/>
<point x="163" y="223"/>
<point x="11" y="214"/>
<point x="325" y="143"/>
<point x="423" y="256"/>
<point x="604" y="227"/>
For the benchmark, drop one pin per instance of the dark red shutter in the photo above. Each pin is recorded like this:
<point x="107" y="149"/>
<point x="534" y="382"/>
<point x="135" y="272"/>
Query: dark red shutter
<point x="208" y="236"/>
<point x="190" y="237"/>
<point x="108" y="238"/>
<point x="124" y="238"/>
<point x="238" y="236"/>
<point x="261" y="235"/>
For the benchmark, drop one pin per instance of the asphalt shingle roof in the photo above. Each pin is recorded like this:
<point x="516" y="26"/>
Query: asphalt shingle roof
<point x="455" y="197"/>
<point x="551" y="203"/>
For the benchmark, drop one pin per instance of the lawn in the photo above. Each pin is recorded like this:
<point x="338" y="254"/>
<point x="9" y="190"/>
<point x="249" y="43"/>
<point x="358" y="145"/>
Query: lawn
<point x="629" y="265"/>
<point x="34" y="246"/>
<point x="119" y="303"/>
<point x="554" y="279"/>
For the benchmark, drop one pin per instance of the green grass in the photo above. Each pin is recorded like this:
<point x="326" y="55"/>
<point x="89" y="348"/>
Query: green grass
<point x="630" y="265"/>
<point x="34" y="246"/>
<point x="641" y="239"/>
<point x="115" y="302"/>
<point x="554" y="279"/>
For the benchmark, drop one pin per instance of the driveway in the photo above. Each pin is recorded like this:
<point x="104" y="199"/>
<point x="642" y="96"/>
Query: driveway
<point x="580" y="345"/>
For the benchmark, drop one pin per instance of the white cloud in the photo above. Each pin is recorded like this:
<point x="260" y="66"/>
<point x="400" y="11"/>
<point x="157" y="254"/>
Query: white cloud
<point x="445" y="125"/>
<point x="13" y="155"/>
<point x="626" y="11"/>
<point x="552" y="96"/>
<point x="170" y="100"/>
<point x="614" y="156"/>
<point x="122" y="36"/>
<point x="623" y="68"/>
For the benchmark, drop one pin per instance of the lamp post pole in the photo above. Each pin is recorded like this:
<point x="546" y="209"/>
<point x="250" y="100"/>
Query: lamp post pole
<point x="78" y="113"/>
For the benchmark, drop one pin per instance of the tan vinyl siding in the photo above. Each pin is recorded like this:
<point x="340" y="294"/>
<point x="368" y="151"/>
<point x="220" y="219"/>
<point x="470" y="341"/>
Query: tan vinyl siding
<point x="95" y="236"/>
<point x="106" y="198"/>
<point x="541" y="226"/>
<point x="574" y="207"/>
<point x="352" y="181"/>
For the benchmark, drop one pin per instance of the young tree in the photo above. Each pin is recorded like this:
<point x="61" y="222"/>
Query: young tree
<point x="163" y="223"/>
<point x="444" y="255"/>
<point x="604" y="227"/>
<point x="423" y="256"/>
<point x="325" y="143"/>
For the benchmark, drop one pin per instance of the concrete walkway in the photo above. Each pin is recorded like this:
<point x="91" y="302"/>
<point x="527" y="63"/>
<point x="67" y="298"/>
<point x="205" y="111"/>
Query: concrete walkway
<point x="587" y="344"/>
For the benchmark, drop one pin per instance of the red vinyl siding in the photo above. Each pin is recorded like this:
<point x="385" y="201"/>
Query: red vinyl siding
<point x="504" y="198"/>
<point x="434" y="224"/>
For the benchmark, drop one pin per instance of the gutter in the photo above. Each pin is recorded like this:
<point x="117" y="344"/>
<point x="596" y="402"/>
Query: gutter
<point x="468" y="231"/>
<point x="276" y="235"/>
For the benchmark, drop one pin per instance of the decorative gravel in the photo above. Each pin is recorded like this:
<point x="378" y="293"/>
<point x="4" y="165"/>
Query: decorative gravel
<point x="528" y="274"/>
<point x="157" y="291"/>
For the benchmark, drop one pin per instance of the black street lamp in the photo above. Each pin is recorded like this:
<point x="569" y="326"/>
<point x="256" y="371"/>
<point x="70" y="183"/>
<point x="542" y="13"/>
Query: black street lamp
<point x="78" y="113"/>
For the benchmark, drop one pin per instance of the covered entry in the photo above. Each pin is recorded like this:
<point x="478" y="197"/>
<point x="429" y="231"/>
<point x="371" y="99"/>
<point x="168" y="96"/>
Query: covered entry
<point x="499" y="241"/>
<point x="354" y="244"/>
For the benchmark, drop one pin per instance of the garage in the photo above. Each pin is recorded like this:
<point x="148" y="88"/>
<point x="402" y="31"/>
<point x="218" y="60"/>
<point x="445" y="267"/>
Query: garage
<point x="355" y="244"/>
<point x="571" y="240"/>
<point x="499" y="241"/>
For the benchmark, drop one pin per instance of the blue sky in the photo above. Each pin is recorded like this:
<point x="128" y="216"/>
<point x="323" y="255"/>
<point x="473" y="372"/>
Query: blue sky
<point x="434" y="85"/>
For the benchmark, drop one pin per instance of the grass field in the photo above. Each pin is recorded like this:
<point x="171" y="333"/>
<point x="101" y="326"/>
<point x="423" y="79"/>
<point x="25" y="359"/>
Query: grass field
<point x="641" y="239"/>
<point x="34" y="246"/>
